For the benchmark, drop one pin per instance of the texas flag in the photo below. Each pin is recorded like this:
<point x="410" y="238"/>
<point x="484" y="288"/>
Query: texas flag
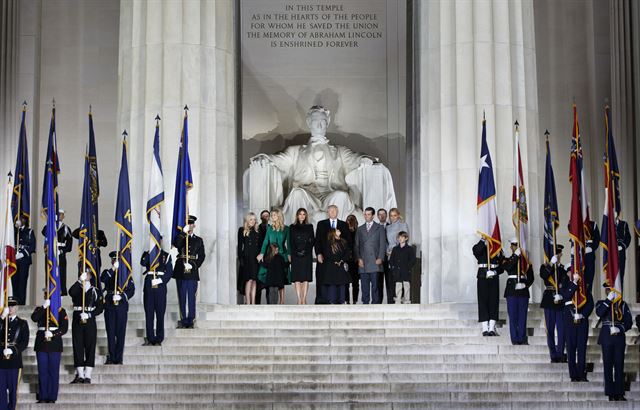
<point x="488" y="225"/>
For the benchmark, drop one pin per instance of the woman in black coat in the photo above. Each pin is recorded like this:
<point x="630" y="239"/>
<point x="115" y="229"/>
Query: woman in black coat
<point x="352" y="221"/>
<point x="301" y="241"/>
<point x="336" y="275"/>
<point x="249" y="243"/>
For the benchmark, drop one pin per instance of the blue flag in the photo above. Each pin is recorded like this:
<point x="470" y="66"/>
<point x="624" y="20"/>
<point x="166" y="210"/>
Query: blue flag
<point x="123" y="222"/>
<point x="184" y="182"/>
<point x="611" y="162"/>
<point x="20" y="202"/>
<point x="93" y="174"/>
<point x="155" y="199"/>
<point x="51" y="247"/>
<point x="551" y="215"/>
<point x="52" y="157"/>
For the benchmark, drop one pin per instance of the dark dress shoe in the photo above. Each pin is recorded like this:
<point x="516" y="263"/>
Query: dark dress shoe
<point x="108" y="361"/>
<point x="584" y="379"/>
<point x="485" y="333"/>
<point x="621" y="398"/>
<point x="42" y="401"/>
<point x="493" y="333"/>
<point x="573" y="379"/>
<point x="180" y="325"/>
<point x="147" y="343"/>
<point x="87" y="381"/>
<point x="77" y="380"/>
<point x="611" y="398"/>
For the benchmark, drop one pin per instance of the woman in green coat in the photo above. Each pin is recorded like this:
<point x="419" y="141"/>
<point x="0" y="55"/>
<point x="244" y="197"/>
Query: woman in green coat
<point x="278" y="233"/>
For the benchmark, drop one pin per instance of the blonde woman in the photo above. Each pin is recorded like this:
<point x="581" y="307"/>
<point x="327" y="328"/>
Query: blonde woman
<point x="396" y="226"/>
<point x="277" y="233"/>
<point x="248" y="249"/>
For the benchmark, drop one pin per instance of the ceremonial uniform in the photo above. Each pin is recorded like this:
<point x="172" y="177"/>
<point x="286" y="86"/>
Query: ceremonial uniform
<point x="115" y="313"/>
<point x="25" y="247"/>
<point x="624" y="240"/>
<point x="576" y="329"/>
<point x="187" y="280"/>
<point x="591" y="245"/>
<point x="155" y="297"/>
<point x="11" y="365"/>
<point x="48" y="353"/>
<point x="554" y="277"/>
<point x="613" y="345"/>
<point x="65" y="245"/>
<point x="516" y="292"/>
<point x="488" y="287"/>
<point x="84" y="334"/>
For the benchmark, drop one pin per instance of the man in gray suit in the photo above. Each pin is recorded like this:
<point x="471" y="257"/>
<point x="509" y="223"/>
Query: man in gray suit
<point x="370" y="247"/>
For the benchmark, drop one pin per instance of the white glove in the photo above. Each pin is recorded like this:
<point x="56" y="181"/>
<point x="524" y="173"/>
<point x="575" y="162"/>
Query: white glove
<point x="19" y="255"/>
<point x="60" y="245"/>
<point x="46" y="303"/>
<point x="7" y="352"/>
<point x="5" y="313"/>
<point x="567" y="267"/>
<point x="117" y="298"/>
<point x="185" y="229"/>
<point x="520" y="286"/>
<point x="187" y="266"/>
<point x="612" y="295"/>
<point x="557" y="298"/>
<point x="116" y="265"/>
<point x="619" y="247"/>
<point x="83" y="277"/>
<point x="614" y="330"/>
<point x="48" y="334"/>
<point x="517" y="252"/>
<point x="554" y="259"/>
<point x="18" y="224"/>
<point x="588" y="249"/>
<point x="87" y="286"/>
<point x="156" y="282"/>
<point x="576" y="278"/>
<point x="84" y="316"/>
<point x="577" y="316"/>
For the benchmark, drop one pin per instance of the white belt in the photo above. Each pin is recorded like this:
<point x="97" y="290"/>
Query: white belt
<point x="86" y="309"/>
<point x="156" y="273"/>
<point x="484" y="265"/>
<point x="568" y="303"/>
<point x="44" y="328"/>
<point x="512" y="277"/>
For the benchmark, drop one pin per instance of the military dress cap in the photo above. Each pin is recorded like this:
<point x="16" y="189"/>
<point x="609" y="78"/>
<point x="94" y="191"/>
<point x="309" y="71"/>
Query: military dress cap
<point x="113" y="254"/>
<point x="11" y="301"/>
<point x="559" y="247"/>
<point x="513" y="241"/>
<point x="605" y="285"/>
<point x="191" y="220"/>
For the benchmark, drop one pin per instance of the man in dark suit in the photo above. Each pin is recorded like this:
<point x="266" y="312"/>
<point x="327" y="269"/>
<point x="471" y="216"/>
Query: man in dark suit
<point x="26" y="245"/>
<point x="265" y="215"/>
<point x="322" y="246"/>
<point x="384" y="279"/>
<point x="187" y="271"/>
<point x="370" y="249"/>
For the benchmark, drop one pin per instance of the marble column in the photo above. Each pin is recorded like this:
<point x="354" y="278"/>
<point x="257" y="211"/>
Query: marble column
<point x="175" y="53"/>
<point x="474" y="56"/>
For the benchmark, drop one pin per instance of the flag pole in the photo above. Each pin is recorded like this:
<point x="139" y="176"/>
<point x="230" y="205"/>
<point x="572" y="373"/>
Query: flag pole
<point x="553" y="228"/>
<point x="186" y="199"/>
<point x="517" y="165"/>
<point x="5" y="275"/>
<point x="84" y="270"/>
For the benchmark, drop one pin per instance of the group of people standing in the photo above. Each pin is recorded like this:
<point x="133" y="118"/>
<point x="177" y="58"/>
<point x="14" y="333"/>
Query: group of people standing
<point x="349" y="258"/>
<point x="567" y="305"/>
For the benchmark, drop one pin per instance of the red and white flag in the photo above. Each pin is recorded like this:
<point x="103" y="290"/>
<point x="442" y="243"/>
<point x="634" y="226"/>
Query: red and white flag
<point x="520" y="216"/>
<point x="7" y="247"/>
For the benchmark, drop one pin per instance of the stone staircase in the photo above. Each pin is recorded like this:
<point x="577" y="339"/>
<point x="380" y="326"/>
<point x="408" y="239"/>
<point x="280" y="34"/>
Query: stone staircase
<point x="370" y="357"/>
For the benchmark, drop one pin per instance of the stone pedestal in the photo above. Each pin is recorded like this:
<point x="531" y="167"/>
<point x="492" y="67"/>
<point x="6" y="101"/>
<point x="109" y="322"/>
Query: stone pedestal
<point x="174" y="53"/>
<point x="475" y="56"/>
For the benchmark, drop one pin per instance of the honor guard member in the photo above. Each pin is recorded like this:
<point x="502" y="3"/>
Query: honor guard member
<point x="83" y="329"/>
<point x="488" y="287"/>
<point x="591" y="245"/>
<point x="116" y="309"/>
<point x="624" y="240"/>
<point x="17" y="334"/>
<point x="616" y="320"/>
<point x="516" y="292"/>
<point x="576" y="327"/>
<point x="101" y="239"/>
<point x="554" y="276"/>
<point x="48" y="348"/>
<point x="155" y="297"/>
<point x="186" y="271"/>
<point x="25" y="247"/>
<point x="65" y="244"/>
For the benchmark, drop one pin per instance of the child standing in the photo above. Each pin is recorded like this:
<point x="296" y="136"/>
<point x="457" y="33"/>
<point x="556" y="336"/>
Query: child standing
<point x="401" y="261"/>
<point x="276" y="274"/>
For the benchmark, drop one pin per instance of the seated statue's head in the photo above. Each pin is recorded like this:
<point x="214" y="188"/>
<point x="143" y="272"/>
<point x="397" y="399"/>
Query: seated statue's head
<point x="318" y="119"/>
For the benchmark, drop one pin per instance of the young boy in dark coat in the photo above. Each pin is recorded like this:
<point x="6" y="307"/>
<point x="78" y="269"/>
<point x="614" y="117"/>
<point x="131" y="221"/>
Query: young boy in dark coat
<point x="401" y="262"/>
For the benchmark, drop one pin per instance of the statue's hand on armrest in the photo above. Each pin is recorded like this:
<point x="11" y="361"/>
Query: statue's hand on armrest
<point x="368" y="160"/>
<point x="261" y="159"/>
